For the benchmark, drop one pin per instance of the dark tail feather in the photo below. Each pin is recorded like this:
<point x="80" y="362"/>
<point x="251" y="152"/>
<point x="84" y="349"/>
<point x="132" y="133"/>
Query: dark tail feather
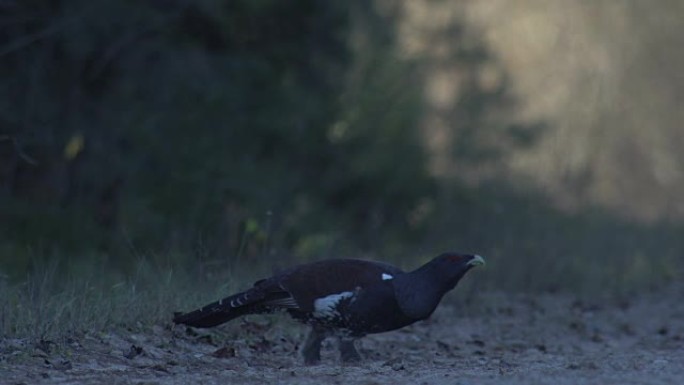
<point x="220" y="312"/>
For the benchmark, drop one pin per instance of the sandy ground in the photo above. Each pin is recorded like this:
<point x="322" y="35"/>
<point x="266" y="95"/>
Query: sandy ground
<point x="549" y="339"/>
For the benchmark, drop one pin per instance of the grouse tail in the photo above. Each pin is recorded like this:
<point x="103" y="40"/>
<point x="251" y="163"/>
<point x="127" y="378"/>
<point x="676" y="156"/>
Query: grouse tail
<point x="221" y="311"/>
<point x="259" y="299"/>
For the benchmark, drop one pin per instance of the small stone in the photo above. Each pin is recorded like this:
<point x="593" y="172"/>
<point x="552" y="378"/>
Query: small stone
<point x="133" y="352"/>
<point x="660" y="362"/>
<point x="224" y="352"/>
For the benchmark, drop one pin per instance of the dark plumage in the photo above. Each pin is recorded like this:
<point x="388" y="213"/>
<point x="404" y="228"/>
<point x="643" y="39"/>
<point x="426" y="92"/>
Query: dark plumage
<point x="344" y="298"/>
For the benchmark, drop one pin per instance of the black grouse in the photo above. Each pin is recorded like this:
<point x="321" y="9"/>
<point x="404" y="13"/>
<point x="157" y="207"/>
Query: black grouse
<point x="343" y="298"/>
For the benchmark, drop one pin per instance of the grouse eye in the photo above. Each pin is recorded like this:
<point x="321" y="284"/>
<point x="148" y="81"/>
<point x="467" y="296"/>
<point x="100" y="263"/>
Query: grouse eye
<point x="455" y="258"/>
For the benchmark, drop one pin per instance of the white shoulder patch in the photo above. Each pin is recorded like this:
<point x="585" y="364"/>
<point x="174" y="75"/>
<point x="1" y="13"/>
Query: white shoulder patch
<point x="326" y="307"/>
<point x="386" y="277"/>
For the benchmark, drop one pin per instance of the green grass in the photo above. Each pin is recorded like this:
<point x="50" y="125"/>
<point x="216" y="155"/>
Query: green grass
<point x="529" y="247"/>
<point x="51" y="303"/>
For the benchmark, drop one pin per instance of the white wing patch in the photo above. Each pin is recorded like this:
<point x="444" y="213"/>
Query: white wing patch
<point x="326" y="307"/>
<point x="387" y="277"/>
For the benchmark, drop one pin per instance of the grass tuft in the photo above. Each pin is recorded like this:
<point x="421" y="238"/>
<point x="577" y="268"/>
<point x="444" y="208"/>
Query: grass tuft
<point x="50" y="305"/>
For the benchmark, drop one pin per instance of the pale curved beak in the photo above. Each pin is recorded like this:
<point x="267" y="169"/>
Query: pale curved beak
<point x="476" y="261"/>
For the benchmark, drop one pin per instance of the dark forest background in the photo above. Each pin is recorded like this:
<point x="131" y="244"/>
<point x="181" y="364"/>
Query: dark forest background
<point x="227" y="138"/>
<point x="213" y="128"/>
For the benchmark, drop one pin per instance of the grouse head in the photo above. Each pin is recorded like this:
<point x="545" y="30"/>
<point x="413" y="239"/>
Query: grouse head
<point x="418" y="292"/>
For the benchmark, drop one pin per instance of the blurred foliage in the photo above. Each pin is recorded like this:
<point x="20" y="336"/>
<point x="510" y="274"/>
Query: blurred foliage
<point x="230" y="126"/>
<point x="245" y="132"/>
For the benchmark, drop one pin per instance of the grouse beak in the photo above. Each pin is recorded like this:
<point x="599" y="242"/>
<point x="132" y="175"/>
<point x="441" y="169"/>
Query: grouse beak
<point x="476" y="261"/>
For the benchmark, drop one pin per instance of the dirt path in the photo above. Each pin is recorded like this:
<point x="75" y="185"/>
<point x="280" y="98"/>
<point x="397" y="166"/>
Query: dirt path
<point x="509" y="340"/>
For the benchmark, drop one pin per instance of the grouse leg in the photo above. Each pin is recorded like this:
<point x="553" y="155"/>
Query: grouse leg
<point x="348" y="352"/>
<point x="311" y="351"/>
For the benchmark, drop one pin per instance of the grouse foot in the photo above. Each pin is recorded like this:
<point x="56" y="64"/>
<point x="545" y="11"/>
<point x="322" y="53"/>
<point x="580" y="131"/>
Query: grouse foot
<point x="311" y="351"/>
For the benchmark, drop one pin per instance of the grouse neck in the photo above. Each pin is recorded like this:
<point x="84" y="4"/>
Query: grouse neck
<point x="419" y="292"/>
